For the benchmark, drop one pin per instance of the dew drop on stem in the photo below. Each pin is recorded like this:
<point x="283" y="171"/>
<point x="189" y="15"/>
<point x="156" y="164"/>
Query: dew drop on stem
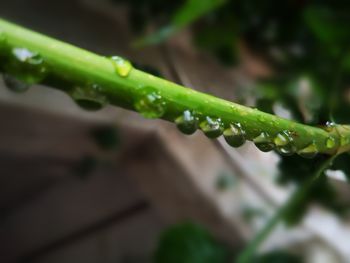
<point x="235" y="135"/>
<point x="14" y="84"/>
<point x="309" y="151"/>
<point x="121" y="65"/>
<point x="284" y="143"/>
<point x="89" y="97"/>
<point x="151" y="104"/>
<point x="212" y="127"/>
<point x="26" y="65"/>
<point x="330" y="142"/>
<point x="187" y="123"/>
<point x="264" y="142"/>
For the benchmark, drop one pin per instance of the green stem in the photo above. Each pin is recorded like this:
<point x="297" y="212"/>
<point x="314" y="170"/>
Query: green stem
<point x="69" y="65"/>
<point x="249" y="252"/>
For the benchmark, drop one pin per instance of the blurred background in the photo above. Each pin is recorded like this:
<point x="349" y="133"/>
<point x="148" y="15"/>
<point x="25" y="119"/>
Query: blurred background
<point x="110" y="186"/>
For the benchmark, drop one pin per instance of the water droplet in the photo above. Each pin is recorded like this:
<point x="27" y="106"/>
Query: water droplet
<point x="187" y="123"/>
<point x="27" y="66"/>
<point x="330" y="142"/>
<point x="235" y="135"/>
<point x="330" y="126"/>
<point x="14" y="84"/>
<point x="284" y="143"/>
<point x="96" y="88"/>
<point x="281" y="139"/>
<point x="264" y="142"/>
<point x="151" y="105"/>
<point x="309" y="151"/>
<point x="261" y="119"/>
<point x="89" y="98"/>
<point x="27" y="56"/>
<point x="212" y="127"/>
<point x="121" y="65"/>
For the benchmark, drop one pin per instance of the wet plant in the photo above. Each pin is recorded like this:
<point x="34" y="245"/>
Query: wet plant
<point x="94" y="81"/>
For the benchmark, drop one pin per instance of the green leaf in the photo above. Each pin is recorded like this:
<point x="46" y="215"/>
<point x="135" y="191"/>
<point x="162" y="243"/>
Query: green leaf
<point x="218" y="37"/>
<point x="194" y="9"/>
<point x="189" y="243"/>
<point x="297" y="169"/>
<point x="329" y="25"/>
<point x="191" y="11"/>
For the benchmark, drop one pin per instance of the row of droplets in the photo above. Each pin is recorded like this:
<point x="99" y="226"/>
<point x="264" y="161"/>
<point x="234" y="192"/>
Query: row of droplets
<point x="91" y="96"/>
<point x="235" y="135"/>
<point x="24" y="68"/>
<point x="27" y="67"/>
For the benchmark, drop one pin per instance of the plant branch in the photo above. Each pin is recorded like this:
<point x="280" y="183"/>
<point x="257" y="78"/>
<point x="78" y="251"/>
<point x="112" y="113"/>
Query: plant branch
<point x="69" y="67"/>
<point x="249" y="252"/>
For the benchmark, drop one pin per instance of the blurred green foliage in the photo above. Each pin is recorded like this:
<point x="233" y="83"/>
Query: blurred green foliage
<point x="225" y="181"/>
<point x="189" y="243"/>
<point x="297" y="169"/>
<point x="192" y="243"/>
<point x="304" y="42"/>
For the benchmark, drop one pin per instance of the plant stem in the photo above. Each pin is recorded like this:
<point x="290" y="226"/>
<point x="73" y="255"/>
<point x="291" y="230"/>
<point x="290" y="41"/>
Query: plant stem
<point x="70" y="66"/>
<point x="246" y="256"/>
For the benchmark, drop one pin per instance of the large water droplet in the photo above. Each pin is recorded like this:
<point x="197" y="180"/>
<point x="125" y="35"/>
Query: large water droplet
<point x="330" y="142"/>
<point x="264" y="142"/>
<point x="151" y="105"/>
<point x="187" y="123"/>
<point x="14" y="84"/>
<point x="27" y="66"/>
<point x="89" y="98"/>
<point x="261" y="118"/>
<point x="235" y="135"/>
<point x="330" y="124"/>
<point x="309" y="151"/>
<point x="26" y="56"/>
<point x="212" y="127"/>
<point x="121" y="65"/>
<point x="284" y="143"/>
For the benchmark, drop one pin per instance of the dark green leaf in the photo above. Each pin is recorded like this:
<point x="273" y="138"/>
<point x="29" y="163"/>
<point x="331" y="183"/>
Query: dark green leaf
<point x="297" y="169"/>
<point x="329" y="25"/>
<point x="189" y="243"/>
<point x="188" y="13"/>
